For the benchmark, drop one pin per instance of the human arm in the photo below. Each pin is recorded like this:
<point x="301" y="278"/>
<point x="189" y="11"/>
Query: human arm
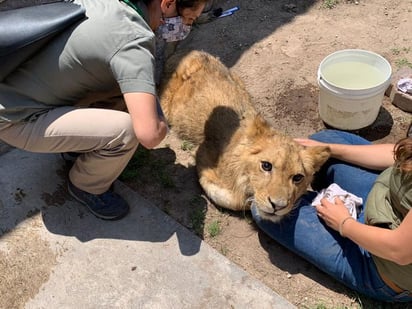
<point x="150" y="127"/>
<point x="393" y="245"/>
<point x="373" y="156"/>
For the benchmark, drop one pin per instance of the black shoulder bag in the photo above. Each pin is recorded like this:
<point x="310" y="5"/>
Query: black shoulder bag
<point x="24" y="30"/>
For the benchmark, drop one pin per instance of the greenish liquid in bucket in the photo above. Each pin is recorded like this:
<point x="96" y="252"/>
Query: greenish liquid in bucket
<point x="352" y="75"/>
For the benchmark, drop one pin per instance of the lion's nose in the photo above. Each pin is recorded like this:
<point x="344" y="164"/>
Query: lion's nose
<point x="278" y="204"/>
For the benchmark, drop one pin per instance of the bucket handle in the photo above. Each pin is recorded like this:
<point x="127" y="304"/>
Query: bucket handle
<point x="320" y="79"/>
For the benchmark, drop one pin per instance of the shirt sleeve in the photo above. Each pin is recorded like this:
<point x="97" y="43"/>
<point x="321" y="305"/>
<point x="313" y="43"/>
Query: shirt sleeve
<point x="133" y="66"/>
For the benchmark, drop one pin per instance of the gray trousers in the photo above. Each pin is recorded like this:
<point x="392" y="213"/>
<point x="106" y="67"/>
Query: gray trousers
<point x="104" y="137"/>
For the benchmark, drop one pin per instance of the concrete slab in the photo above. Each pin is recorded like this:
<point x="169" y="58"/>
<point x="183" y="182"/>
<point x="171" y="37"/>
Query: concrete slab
<point x="146" y="260"/>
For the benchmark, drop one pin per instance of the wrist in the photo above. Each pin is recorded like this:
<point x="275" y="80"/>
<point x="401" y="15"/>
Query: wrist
<point x="342" y="223"/>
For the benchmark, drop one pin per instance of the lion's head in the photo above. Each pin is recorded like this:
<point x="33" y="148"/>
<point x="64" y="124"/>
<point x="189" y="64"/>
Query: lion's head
<point x="279" y="169"/>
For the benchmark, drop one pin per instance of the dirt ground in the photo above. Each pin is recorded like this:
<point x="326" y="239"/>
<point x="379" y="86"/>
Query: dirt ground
<point x="276" y="46"/>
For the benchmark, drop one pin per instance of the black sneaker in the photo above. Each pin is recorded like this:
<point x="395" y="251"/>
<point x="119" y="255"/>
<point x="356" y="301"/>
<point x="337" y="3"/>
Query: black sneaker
<point x="107" y="206"/>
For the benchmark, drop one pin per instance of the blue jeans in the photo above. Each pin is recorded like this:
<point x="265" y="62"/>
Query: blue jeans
<point x="304" y="233"/>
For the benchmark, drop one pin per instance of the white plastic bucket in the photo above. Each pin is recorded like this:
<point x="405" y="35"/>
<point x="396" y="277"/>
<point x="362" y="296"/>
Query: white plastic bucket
<point x="352" y="83"/>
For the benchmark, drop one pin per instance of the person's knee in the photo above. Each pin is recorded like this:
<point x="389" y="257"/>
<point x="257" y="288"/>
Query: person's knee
<point x="125" y="131"/>
<point x="130" y="136"/>
<point x="326" y="136"/>
<point x="333" y="136"/>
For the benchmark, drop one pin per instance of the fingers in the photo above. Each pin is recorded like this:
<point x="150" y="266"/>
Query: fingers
<point x="308" y="142"/>
<point x="319" y="210"/>
<point x="325" y="202"/>
<point x="322" y="213"/>
<point x="303" y="141"/>
<point x="332" y="213"/>
<point x="338" y="201"/>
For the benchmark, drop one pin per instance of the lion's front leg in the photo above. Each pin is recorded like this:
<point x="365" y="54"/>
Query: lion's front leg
<point x="216" y="190"/>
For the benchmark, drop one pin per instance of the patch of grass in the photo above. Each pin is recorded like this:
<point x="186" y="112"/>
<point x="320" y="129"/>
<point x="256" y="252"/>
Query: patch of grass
<point x="165" y="180"/>
<point x="187" y="146"/>
<point x="197" y="218"/>
<point x="403" y="62"/>
<point x="329" y="4"/>
<point x="196" y="201"/>
<point x="140" y="159"/>
<point x="143" y="163"/>
<point x="395" y="51"/>
<point x="399" y="50"/>
<point x="214" y="228"/>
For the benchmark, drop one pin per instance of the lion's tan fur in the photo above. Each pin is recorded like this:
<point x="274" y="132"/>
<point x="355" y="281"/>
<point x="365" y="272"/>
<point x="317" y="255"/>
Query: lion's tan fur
<point x="240" y="158"/>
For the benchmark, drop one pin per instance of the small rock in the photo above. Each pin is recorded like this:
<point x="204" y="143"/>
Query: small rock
<point x="398" y="98"/>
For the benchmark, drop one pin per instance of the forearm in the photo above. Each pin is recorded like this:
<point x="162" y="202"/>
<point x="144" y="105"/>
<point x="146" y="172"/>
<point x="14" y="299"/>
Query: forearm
<point x="393" y="245"/>
<point x="150" y="128"/>
<point x="377" y="157"/>
<point x="378" y="241"/>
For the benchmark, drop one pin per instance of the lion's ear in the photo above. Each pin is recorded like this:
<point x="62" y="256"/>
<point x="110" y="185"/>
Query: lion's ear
<point x="193" y="62"/>
<point x="257" y="127"/>
<point x="314" y="157"/>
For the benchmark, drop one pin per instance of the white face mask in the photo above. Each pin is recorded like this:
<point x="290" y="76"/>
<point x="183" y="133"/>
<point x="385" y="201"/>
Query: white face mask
<point x="173" y="29"/>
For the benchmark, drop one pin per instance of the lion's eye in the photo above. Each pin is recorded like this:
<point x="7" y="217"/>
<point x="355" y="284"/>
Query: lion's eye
<point x="266" y="166"/>
<point x="297" y="178"/>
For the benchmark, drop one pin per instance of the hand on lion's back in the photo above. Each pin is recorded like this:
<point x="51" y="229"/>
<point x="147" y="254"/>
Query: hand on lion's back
<point x="240" y="158"/>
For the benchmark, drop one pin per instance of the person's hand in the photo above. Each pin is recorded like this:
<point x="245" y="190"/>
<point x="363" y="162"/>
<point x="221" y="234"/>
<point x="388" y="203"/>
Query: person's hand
<point x="332" y="213"/>
<point x="309" y="142"/>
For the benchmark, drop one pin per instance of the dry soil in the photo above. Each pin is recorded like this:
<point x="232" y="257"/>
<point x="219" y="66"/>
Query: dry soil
<point x="276" y="47"/>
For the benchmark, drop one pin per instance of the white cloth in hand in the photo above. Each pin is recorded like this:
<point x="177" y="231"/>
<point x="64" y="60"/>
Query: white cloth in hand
<point x="351" y="201"/>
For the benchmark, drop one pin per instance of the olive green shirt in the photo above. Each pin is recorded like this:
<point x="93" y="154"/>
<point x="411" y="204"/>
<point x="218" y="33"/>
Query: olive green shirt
<point x="388" y="203"/>
<point x="112" y="50"/>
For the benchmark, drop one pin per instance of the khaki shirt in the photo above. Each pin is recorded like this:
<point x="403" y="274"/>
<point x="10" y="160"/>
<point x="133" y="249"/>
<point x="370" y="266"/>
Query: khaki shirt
<point x="388" y="203"/>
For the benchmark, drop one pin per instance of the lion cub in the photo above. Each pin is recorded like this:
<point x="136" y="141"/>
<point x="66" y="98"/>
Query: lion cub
<point x="240" y="158"/>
